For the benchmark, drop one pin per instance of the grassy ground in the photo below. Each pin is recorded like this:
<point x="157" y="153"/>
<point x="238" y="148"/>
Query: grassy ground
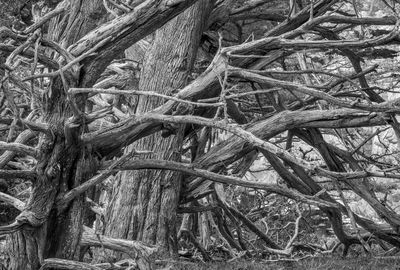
<point x="317" y="263"/>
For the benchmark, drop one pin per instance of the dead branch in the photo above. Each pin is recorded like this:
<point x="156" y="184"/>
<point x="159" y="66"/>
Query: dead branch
<point x="73" y="193"/>
<point x="129" y="130"/>
<point x="124" y="31"/>
<point x="135" y="249"/>
<point x="224" y="179"/>
<point x="128" y="92"/>
<point x="22" y="138"/>
<point x="19" y="148"/>
<point x="54" y="263"/>
<point x="246" y="135"/>
<point x="12" y="201"/>
<point x="269" y="242"/>
<point x="69" y="65"/>
<point x="389" y="106"/>
<point x="60" y="9"/>
<point x="289" y="245"/>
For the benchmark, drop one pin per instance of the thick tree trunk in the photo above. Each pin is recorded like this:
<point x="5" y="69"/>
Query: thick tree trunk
<point x="144" y="203"/>
<point x="62" y="165"/>
<point x="48" y="226"/>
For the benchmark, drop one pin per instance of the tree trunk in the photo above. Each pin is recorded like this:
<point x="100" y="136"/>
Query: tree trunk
<point x="62" y="165"/>
<point x="143" y="204"/>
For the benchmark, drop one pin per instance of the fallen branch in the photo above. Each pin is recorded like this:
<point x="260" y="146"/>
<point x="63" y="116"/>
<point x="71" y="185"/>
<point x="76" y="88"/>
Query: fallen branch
<point x="135" y="249"/>
<point x="67" y="264"/>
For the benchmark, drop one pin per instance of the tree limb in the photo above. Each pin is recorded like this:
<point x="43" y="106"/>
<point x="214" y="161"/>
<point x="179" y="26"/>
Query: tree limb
<point x="125" y="31"/>
<point x="224" y="179"/>
<point x="135" y="249"/>
<point x="128" y="92"/>
<point x="54" y="263"/>
<point x="389" y="106"/>
<point x="19" y="148"/>
<point x="12" y="201"/>
<point x="22" y="138"/>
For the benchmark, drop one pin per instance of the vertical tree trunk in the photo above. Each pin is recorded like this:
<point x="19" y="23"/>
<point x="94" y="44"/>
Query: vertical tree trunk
<point x="143" y="203"/>
<point x="61" y="166"/>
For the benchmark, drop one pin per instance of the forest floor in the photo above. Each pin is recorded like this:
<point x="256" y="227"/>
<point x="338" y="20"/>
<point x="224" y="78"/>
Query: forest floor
<point x="314" y="263"/>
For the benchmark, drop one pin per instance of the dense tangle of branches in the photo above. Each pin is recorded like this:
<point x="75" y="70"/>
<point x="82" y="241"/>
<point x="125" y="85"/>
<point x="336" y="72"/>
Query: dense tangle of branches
<point x="304" y="96"/>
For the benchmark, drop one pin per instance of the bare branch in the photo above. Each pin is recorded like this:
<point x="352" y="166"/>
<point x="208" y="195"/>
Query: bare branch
<point x="60" y="9"/>
<point x="224" y="179"/>
<point x="389" y="106"/>
<point x="129" y="130"/>
<point x="248" y="6"/>
<point x="74" y="91"/>
<point x="12" y="201"/>
<point x="289" y="245"/>
<point x="271" y="245"/>
<point x="19" y="148"/>
<point x="67" y="264"/>
<point x="65" y="68"/>
<point x="135" y="249"/>
<point x="125" y="31"/>
<point x="73" y="193"/>
<point x="23" y="137"/>
<point x="29" y="53"/>
<point x="236" y="130"/>
<point x="283" y="41"/>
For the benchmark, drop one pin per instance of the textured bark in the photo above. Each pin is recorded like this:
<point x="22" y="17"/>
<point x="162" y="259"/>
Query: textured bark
<point x="144" y="203"/>
<point x="134" y="249"/>
<point x="48" y="228"/>
<point x="61" y="165"/>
